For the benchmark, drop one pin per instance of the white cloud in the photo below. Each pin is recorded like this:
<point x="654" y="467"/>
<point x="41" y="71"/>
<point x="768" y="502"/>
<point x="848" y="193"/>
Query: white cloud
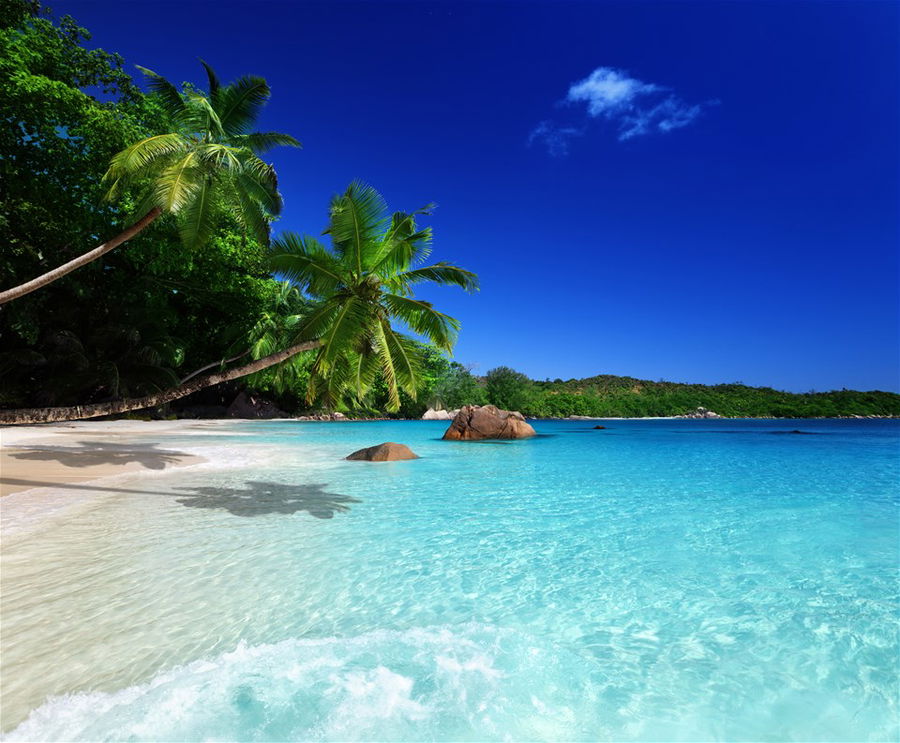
<point x="608" y="92"/>
<point x="556" y="138"/>
<point x="635" y="107"/>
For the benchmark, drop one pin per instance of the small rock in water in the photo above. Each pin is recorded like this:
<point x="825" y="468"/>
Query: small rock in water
<point x="386" y="452"/>
<point x="599" y="428"/>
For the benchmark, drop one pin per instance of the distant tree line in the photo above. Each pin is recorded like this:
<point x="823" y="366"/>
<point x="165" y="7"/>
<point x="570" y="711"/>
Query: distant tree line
<point x="451" y="385"/>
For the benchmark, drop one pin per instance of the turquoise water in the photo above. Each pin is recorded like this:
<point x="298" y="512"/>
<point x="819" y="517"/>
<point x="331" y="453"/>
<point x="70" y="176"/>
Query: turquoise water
<point x="659" y="580"/>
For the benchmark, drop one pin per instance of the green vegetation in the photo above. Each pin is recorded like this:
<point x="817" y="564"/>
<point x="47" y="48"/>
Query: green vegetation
<point x="357" y="289"/>
<point x="194" y="288"/>
<point x="612" y="396"/>
<point x="143" y="316"/>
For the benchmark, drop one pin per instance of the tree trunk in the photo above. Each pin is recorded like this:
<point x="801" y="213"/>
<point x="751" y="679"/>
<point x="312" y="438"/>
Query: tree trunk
<point x="82" y="260"/>
<point x="214" y="363"/>
<point x="77" y="412"/>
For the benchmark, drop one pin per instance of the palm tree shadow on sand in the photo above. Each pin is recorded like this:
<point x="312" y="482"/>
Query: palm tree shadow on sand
<point x="255" y="498"/>
<point x="91" y="453"/>
<point x="262" y="498"/>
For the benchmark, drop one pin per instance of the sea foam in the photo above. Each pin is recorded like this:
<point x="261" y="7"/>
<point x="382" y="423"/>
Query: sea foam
<point x="469" y="682"/>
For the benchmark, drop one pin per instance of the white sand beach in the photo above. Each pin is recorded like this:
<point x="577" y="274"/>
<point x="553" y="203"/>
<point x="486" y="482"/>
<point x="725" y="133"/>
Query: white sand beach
<point x="57" y="454"/>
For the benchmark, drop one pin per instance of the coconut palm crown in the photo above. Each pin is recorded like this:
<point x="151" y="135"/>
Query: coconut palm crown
<point x="359" y="287"/>
<point x="210" y="157"/>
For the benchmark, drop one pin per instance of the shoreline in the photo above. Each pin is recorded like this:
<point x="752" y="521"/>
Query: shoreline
<point x="53" y="455"/>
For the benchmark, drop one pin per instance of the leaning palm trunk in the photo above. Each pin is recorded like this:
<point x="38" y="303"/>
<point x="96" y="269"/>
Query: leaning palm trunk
<point x="82" y="260"/>
<point x="77" y="412"/>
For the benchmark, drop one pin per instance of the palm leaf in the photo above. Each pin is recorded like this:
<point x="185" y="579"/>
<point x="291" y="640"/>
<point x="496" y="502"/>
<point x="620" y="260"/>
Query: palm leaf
<point x="134" y="160"/>
<point x="214" y="84"/>
<point x="406" y="358"/>
<point x="220" y="157"/>
<point x="251" y="216"/>
<point x="365" y="368"/>
<point x="239" y="104"/>
<point x="357" y="218"/>
<point x="316" y="321"/>
<point x="439" y="273"/>
<point x="178" y="183"/>
<point x="196" y="221"/>
<point x="305" y="260"/>
<point x="204" y="116"/>
<point x="169" y="96"/>
<point x="349" y="325"/>
<point x="262" y="194"/>
<point x="261" y="142"/>
<point x="388" y="371"/>
<point x="403" y="243"/>
<point x="422" y="318"/>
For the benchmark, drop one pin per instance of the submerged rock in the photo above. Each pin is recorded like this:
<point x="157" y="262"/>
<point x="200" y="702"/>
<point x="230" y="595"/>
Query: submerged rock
<point x="473" y="423"/>
<point x="386" y="452"/>
<point x="599" y="428"/>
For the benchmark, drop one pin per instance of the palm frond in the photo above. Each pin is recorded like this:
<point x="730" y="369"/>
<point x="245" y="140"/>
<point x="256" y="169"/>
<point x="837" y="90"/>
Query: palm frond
<point x="133" y="161"/>
<point x="365" y="368"/>
<point x="214" y="84"/>
<point x="422" y="318"/>
<point x="349" y="325"/>
<point x="203" y="115"/>
<point x="261" y="142"/>
<point x="196" y="222"/>
<point x="250" y="214"/>
<point x="178" y="183"/>
<point x="439" y="273"/>
<point x="220" y="157"/>
<point x="388" y="370"/>
<point x="239" y="103"/>
<point x="357" y="219"/>
<point x="263" y="193"/>
<point x="305" y="261"/>
<point x="331" y="387"/>
<point x="407" y="359"/>
<point x="316" y="321"/>
<point x="169" y="95"/>
<point x="404" y="243"/>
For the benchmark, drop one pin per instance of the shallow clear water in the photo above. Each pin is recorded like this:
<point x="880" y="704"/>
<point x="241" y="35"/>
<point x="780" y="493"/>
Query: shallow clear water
<point x="659" y="580"/>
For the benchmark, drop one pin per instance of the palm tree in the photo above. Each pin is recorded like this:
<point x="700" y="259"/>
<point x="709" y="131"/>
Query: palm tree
<point x="359" y="288"/>
<point x="209" y="160"/>
<point x="356" y="290"/>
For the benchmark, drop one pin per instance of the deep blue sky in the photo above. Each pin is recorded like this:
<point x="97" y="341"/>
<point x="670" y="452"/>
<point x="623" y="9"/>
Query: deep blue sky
<point x="757" y="242"/>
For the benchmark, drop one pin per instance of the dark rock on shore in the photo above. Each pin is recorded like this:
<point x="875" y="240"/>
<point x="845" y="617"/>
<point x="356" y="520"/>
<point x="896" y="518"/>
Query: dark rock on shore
<point x="336" y="416"/>
<point x="253" y="406"/>
<point x="386" y="452"/>
<point x="474" y="423"/>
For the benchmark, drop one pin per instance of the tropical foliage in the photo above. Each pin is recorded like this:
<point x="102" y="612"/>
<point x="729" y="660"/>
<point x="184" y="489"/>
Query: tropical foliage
<point x="209" y="159"/>
<point x="360" y="288"/>
<point x="614" y="396"/>
<point x="70" y="110"/>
